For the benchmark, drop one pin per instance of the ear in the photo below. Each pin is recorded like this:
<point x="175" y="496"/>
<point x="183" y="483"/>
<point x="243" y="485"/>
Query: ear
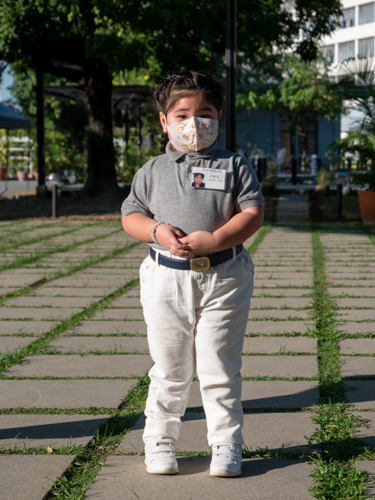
<point x="162" y="121"/>
<point x="220" y="113"/>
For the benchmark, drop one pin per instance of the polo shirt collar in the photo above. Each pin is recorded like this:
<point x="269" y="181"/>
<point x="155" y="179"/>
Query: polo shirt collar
<point x="203" y="153"/>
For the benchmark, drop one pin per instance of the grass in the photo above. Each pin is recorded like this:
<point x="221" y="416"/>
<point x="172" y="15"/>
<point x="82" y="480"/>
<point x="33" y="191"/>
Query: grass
<point x="18" y="262"/>
<point x="335" y="477"/>
<point x="41" y="342"/>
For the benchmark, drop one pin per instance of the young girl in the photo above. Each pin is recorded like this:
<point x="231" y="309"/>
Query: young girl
<point x="197" y="282"/>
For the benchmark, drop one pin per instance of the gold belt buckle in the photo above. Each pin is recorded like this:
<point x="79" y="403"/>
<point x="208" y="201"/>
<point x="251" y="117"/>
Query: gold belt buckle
<point x="200" y="264"/>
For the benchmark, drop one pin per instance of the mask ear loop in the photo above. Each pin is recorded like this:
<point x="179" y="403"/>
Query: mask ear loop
<point x="165" y="119"/>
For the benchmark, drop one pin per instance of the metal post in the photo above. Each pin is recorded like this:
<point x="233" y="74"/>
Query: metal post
<point x="54" y="201"/>
<point x="40" y="129"/>
<point x="339" y="201"/>
<point x="230" y="62"/>
<point x="7" y="161"/>
<point x="294" y="171"/>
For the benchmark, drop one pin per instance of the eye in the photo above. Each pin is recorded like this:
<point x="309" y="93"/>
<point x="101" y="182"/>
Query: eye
<point x="206" y="116"/>
<point x="182" y="117"/>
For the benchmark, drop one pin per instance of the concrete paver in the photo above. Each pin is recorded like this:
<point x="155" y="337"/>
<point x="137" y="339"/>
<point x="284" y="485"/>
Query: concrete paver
<point x="102" y="344"/>
<point x="40" y="431"/>
<point x="38" y="313"/>
<point x="30" y="476"/>
<point x="60" y="365"/>
<point x="270" y="345"/>
<point x="281" y="292"/>
<point x="63" y="393"/>
<point x="260" y="430"/>
<point x="25" y="327"/>
<point x="356" y="328"/>
<point x="360" y="393"/>
<point x="279" y="314"/>
<point x="50" y="301"/>
<point x="269" y="394"/>
<point x="278" y="327"/>
<point x="352" y="366"/>
<point x="367" y="433"/>
<point x="72" y="292"/>
<point x="109" y="328"/>
<point x="352" y="291"/>
<point x="355" y="314"/>
<point x="369" y="467"/>
<point x="355" y="302"/>
<point x="357" y="346"/>
<point x="279" y="366"/>
<point x="11" y="343"/>
<point x="262" y="479"/>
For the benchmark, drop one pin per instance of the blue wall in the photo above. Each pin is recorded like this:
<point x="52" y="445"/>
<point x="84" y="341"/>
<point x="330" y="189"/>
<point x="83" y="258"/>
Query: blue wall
<point x="261" y="128"/>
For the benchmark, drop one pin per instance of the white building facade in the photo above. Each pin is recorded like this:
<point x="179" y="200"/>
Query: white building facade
<point x="354" y="39"/>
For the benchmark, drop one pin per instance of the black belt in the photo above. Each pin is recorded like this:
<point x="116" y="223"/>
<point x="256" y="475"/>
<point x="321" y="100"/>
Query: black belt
<point x="198" y="264"/>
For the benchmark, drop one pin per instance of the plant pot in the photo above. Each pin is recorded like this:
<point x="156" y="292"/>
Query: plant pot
<point x="22" y="176"/>
<point x="321" y="187"/>
<point x="36" y="175"/>
<point x="367" y="204"/>
<point x="3" y="173"/>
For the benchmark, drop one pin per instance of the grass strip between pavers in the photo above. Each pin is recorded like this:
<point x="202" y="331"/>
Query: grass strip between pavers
<point x="18" y="262"/>
<point x="335" y="475"/>
<point x="17" y="355"/>
<point x="262" y="233"/>
<point x="37" y="239"/>
<point x="73" y="269"/>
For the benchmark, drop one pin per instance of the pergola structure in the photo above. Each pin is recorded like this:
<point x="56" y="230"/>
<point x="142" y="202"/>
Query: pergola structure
<point x="126" y="100"/>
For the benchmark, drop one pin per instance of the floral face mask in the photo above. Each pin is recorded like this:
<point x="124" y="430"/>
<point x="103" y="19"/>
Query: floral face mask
<point x="193" y="134"/>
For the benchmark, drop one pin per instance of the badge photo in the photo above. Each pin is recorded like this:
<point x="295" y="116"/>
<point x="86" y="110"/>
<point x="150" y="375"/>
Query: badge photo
<point x="208" y="178"/>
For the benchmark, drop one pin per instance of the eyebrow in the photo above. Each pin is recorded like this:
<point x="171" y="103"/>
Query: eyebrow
<point x="187" y="109"/>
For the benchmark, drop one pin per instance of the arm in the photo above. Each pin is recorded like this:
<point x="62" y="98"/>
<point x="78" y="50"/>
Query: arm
<point x="238" y="229"/>
<point x="139" y="226"/>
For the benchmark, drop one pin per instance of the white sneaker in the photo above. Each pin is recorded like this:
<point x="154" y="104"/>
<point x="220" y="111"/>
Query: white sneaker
<point x="226" y="460"/>
<point x="160" y="458"/>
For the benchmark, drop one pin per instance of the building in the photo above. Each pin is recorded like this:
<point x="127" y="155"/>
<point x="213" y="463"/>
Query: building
<point x="354" y="39"/>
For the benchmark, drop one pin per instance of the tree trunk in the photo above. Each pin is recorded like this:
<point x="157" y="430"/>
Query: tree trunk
<point x="100" y="151"/>
<point x="303" y="138"/>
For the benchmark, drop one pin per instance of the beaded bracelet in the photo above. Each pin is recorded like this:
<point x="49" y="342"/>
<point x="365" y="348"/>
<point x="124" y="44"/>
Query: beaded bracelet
<point x="153" y="232"/>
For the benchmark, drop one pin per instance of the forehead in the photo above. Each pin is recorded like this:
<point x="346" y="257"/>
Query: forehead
<point x="194" y="101"/>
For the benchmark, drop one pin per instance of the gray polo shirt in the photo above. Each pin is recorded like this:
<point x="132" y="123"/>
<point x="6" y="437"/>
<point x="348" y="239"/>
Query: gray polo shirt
<point x="162" y="190"/>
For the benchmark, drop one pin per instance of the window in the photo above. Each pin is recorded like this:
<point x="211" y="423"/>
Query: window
<point x="310" y="140"/>
<point x="346" y="50"/>
<point x="347" y="19"/>
<point x="366" y="47"/>
<point x="329" y="51"/>
<point x="366" y="13"/>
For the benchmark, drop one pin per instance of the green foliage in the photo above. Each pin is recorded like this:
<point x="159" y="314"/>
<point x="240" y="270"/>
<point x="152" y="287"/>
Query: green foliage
<point x="323" y="178"/>
<point x="134" y="158"/>
<point x="360" y="146"/>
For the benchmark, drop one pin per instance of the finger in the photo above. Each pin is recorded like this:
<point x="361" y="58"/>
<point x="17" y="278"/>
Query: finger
<point x="179" y="233"/>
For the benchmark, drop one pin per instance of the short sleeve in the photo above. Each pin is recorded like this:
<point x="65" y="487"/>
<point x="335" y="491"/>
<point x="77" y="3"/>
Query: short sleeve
<point x="137" y="201"/>
<point x="247" y="192"/>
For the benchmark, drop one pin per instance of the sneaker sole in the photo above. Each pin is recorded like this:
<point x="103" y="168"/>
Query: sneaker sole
<point x="164" y="471"/>
<point x="224" y="473"/>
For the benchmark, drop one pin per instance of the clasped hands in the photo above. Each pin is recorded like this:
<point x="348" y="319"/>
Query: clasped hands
<point x="173" y="240"/>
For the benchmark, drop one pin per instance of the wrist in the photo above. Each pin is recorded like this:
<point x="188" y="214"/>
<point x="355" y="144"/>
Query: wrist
<point x="153" y="232"/>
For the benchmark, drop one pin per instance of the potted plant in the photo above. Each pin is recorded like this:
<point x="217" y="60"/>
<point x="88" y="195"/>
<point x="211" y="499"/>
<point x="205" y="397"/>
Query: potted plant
<point x="323" y="180"/>
<point x="362" y="146"/>
<point x="22" y="175"/>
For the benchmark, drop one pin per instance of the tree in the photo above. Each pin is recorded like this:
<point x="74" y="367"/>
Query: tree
<point x="86" y="41"/>
<point x="302" y="95"/>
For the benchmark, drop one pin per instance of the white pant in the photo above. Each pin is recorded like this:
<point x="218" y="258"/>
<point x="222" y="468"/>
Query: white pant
<point x="196" y="323"/>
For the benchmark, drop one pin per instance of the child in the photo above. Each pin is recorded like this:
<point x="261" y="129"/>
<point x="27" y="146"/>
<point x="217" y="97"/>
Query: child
<point x="197" y="282"/>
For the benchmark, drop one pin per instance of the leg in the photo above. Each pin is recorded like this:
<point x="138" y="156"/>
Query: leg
<point x="168" y="306"/>
<point x="221" y="326"/>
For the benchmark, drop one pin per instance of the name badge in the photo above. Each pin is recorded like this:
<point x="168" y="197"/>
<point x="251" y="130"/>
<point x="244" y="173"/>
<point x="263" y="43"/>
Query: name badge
<point x="208" y="178"/>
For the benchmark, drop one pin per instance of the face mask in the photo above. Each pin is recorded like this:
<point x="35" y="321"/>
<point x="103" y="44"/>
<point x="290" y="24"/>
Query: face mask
<point x="193" y="134"/>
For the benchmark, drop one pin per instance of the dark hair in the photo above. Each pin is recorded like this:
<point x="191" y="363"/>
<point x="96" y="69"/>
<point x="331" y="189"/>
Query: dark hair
<point x="184" y="84"/>
<point x="198" y="173"/>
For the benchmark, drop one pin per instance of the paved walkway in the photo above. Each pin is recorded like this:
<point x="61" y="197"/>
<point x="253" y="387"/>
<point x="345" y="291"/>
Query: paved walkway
<point x="91" y="352"/>
<point x="292" y="209"/>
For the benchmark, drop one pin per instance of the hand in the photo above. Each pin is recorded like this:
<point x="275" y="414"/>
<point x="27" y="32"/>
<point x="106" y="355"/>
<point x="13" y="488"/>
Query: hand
<point x="169" y="237"/>
<point x="199" y="242"/>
